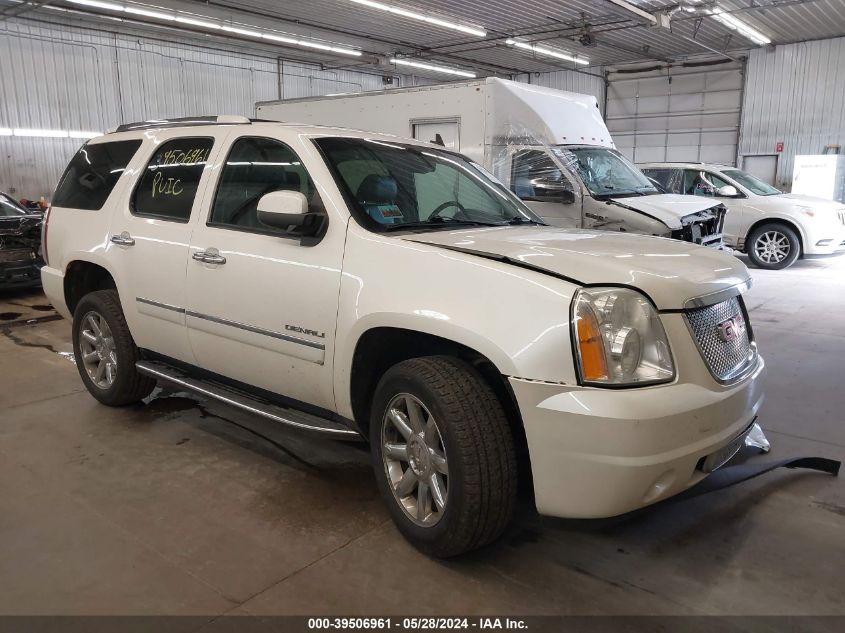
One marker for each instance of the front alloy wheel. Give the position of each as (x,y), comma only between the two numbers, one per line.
(415,459)
(773,246)
(443,454)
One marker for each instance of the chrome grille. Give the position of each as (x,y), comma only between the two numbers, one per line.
(723,338)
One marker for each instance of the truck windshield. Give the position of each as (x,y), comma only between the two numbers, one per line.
(605,172)
(394,186)
(753,183)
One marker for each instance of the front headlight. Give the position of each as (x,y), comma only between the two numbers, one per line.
(619,339)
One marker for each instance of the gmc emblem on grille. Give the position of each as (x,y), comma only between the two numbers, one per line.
(729,330)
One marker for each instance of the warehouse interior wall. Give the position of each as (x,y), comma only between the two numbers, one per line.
(794,96)
(121,77)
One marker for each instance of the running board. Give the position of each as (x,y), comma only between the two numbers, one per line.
(291,418)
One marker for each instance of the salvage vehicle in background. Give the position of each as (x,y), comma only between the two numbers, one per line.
(360,286)
(772,227)
(550,147)
(20,244)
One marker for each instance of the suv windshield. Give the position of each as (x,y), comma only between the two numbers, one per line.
(395,186)
(751,182)
(604,171)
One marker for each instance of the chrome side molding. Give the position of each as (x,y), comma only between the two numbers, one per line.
(291,418)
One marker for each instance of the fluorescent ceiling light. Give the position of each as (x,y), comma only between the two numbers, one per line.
(205,22)
(158,15)
(432,67)
(740,27)
(38,133)
(446,24)
(548,52)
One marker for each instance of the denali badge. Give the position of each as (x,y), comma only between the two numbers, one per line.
(302,330)
(730,329)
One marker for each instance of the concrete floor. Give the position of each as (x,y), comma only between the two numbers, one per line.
(169,508)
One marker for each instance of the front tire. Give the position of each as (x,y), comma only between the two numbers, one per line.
(105,351)
(773,246)
(443,455)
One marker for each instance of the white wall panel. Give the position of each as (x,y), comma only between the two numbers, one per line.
(71,78)
(795,95)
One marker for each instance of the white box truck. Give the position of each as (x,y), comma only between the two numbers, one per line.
(550,147)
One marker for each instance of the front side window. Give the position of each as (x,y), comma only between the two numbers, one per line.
(702,183)
(170,181)
(605,172)
(534,176)
(760,187)
(256,166)
(92,174)
(396,185)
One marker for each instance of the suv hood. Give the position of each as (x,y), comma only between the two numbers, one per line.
(796,201)
(669,208)
(669,271)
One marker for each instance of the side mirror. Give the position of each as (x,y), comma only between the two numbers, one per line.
(728,191)
(288,211)
(550,190)
(282,209)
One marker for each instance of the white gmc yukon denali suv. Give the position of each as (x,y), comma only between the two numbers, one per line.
(362,286)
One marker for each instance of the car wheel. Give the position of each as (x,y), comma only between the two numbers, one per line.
(773,246)
(443,455)
(105,352)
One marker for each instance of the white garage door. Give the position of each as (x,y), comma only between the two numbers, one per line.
(691,114)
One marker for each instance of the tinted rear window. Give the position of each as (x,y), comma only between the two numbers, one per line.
(93,173)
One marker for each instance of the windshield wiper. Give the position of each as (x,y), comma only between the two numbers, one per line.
(437,223)
(518,219)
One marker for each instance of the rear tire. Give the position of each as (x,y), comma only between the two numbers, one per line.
(105,351)
(773,246)
(456,449)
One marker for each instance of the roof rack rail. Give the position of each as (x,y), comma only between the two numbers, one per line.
(225,119)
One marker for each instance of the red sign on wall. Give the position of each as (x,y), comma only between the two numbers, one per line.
(779,146)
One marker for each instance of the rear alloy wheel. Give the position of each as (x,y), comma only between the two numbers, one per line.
(105,351)
(443,455)
(773,246)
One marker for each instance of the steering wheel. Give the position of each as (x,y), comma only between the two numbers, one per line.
(442,207)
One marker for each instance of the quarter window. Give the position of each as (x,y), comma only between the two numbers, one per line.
(93,173)
(170,181)
(257,166)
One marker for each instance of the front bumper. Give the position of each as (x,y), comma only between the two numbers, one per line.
(601,452)
(824,240)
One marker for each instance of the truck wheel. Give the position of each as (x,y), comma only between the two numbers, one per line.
(443,455)
(773,246)
(105,352)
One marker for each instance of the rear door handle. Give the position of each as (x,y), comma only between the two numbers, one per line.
(209,256)
(124,239)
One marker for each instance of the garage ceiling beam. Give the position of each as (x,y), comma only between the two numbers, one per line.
(635,10)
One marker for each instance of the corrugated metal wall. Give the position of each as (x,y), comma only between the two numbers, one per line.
(77,79)
(795,95)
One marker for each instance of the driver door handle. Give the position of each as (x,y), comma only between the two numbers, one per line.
(209,256)
(124,239)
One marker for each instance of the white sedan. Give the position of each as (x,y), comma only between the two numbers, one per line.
(772,227)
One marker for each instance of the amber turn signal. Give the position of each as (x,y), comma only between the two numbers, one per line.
(590,344)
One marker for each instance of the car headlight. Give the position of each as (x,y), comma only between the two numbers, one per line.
(619,339)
